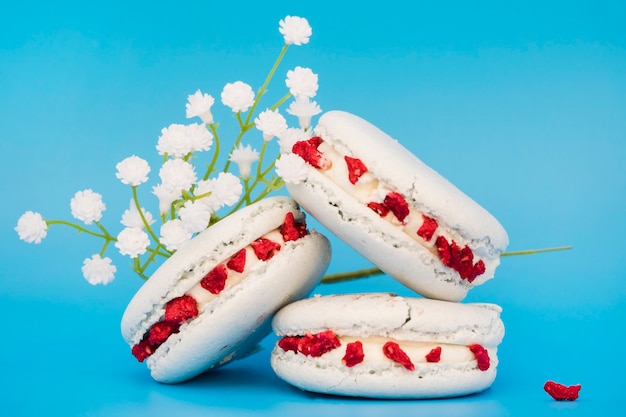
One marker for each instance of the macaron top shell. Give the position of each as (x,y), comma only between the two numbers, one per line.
(396,317)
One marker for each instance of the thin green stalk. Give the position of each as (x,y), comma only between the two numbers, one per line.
(364,273)
(81,229)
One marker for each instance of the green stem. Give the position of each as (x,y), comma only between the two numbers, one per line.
(281,101)
(364,273)
(105,235)
(216,152)
(143,218)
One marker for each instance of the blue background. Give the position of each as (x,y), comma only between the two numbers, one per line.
(521,105)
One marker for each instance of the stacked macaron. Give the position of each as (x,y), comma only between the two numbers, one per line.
(213,300)
(419,229)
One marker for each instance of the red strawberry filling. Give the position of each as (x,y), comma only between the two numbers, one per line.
(482,356)
(238,262)
(291,229)
(393,351)
(434,355)
(354,354)
(184,308)
(314,345)
(215,281)
(459,259)
(264,249)
(561,392)
(427,229)
(356,168)
(307,150)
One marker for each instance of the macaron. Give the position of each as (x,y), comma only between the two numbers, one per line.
(380,345)
(400,214)
(213,300)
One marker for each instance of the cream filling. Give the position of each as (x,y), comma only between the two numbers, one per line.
(203,296)
(369,189)
(373,356)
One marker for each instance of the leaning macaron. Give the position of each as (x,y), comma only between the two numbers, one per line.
(384,346)
(213,300)
(392,208)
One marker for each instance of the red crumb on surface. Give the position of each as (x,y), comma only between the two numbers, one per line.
(356,168)
(427,229)
(215,281)
(314,345)
(481,355)
(354,354)
(181,309)
(160,331)
(393,351)
(397,204)
(561,392)
(379,208)
(292,229)
(307,150)
(434,355)
(142,350)
(238,262)
(459,258)
(264,248)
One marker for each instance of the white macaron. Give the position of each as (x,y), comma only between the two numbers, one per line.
(213,300)
(396,211)
(380,345)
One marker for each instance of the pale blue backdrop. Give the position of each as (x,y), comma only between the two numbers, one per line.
(521,104)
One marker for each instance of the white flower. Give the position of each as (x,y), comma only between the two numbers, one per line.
(131,217)
(199,105)
(195,216)
(271,123)
(225,190)
(238,96)
(177,175)
(87,206)
(166,197)
(290,137)
(133,171)
(303,108)
(244,156)
(31,227)
(173,234)
(179,140)
(97,270)
(302,82)
(295,30)
(132,241)
(292,168)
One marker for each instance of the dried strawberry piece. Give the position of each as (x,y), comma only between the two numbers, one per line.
(292,229)
(481,355)
(354,354)
(393,351)
(443,249)
(397,204)
(264,248)
(160,331)
(181,309)
(561,392)
(142,350)
(434,355)
(215,280)
(477,269)
(356,168)
(379,208)
(238,262)
(316,345)
(307,150)
(466,262)
(288,343)
(427,229)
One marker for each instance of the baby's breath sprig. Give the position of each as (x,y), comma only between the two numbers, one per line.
(188,204)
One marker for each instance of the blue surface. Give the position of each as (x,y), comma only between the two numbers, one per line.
(521,106)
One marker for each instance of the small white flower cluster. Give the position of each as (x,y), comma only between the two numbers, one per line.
(188,203)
